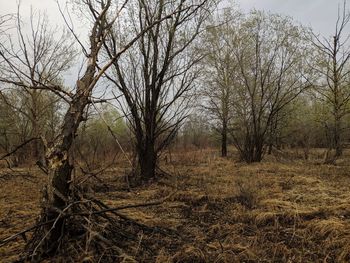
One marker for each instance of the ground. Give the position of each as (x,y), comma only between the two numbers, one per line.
(281,210)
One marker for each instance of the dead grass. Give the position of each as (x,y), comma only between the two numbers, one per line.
(19,204)
(225,211)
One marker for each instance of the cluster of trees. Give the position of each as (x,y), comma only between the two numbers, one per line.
(139,55)
(269,79)
(148,82)
(256,80)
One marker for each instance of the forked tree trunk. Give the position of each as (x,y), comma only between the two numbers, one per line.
(253,150)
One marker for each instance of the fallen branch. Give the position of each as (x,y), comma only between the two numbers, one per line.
(13,173)
(134,222)
(22,233)
(154,203)
(99,212)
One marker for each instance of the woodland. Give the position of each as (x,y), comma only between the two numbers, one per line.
(191,131)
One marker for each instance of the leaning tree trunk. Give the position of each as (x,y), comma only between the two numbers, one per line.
(59,166)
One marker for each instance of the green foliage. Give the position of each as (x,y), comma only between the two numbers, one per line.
(96,140)
(97,124)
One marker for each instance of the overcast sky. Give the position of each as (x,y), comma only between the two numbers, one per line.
(319,14)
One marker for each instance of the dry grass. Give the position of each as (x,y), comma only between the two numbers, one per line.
(19,205)
(275,211)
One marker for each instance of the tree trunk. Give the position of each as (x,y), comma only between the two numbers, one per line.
(59,171)
(253,150)
(273,134)
(37,151)
(258,151)
(58,196)
(337,139)
(147,162)
(58,163)
(224,140)
(269,152)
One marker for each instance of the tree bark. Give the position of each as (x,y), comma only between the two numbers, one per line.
(58,162)
(147,161)
(224,140)
(253,149)
(337,138)
(269,152)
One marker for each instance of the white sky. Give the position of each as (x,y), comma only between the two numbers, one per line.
(319,14)
(10,6)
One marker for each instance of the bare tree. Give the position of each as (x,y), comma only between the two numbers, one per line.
(34,62)
(17,111)
(218,79)
(271,73)
(157,75)
(334,69)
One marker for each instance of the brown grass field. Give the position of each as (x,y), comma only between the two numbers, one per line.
(280,210)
